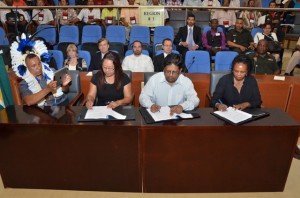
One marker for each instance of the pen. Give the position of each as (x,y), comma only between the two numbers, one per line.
(220,101)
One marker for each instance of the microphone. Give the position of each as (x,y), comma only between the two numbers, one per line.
(186,69)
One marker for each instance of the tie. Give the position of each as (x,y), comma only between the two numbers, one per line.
(190,39)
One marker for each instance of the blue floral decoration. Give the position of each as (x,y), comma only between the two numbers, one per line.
(25,45)
(45,57)
(22,69)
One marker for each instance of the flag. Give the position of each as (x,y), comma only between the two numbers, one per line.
(6,98)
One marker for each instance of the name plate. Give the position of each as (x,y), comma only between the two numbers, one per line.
(152,17)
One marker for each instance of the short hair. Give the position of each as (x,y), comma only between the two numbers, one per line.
(30,56)
(265,25)
(72,47)
(242,58)
(136,41)
(214,19)
(103,39)
(173,59)
(272,2)
(190,15)
(250,1)
(166,39)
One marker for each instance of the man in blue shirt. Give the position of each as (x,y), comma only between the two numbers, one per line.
(170,88)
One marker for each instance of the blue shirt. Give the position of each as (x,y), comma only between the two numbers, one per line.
(159,91)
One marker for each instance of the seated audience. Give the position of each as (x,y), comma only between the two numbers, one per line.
(188,37)
(42,16)
(88,16)
(192,3)
(234,3)
(174,3)
(264,63)
(214,40)
(73,62)
(250,17)
(240,39)
(269,36)
(129,17)
(238,89)
(65,16)
(170,88)
(109,16)
(46,90)
(110,86)
(137,62)
(226,18)
(159,3)
(257,3)
(211,3)
(294,60)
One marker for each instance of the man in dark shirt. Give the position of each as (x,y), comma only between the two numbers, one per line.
(158,61)
(240,39)
(264,63)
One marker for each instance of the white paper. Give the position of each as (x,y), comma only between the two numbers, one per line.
(102,112)
(164,114)
(261,20)
(89,74)
(233,115)
(279,78)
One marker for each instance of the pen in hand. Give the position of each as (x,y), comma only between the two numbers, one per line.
(221,106)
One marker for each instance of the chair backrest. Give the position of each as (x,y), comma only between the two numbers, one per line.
(208,28)
(86,56)
(91,34)
(163,32)
(140,33)
(214,79)
(297,19)
(119,47)
(74,86)
(90,47)
(177,19)
(130,52)
(72,2)
(128,73)
(3,37)
(255,30)
(116,33)
(197,61)
(162,51)
(47,32)
(58,56)
(147,76)
(69,33)
(223,60)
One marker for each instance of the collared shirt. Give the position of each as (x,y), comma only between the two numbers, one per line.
(44,16)
(243,38)
(205,41)
(64,20)
(222,16)
(264,64)
(159,91)
(192,3)
(141,63)
(86,13)
(109,13)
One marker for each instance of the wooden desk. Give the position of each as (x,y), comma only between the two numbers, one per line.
(200,155)
(293,108)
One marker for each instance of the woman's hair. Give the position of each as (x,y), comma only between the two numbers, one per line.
(242,58)
(72,47)
(266,24)
(117,68)
(173,59)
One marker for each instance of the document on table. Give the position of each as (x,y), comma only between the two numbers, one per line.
(235,116)
(102,112)
(164,114)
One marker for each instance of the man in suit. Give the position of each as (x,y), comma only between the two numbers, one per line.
(158,60)
(103,46)
(188,37)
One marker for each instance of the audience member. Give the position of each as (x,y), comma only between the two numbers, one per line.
(65,16)
(45,89)
(170,88)
(240,39)
(110,86)
(257,3)
(174,3)
(109,16)
(294,60)
(192,3)
(130,17)
(264,63)
(158,60)
(268,36)
(188,37)
(250,17)
(234,3)
(226,18)
(159,3)
(88,16)
(96,61)
(73,62)
(42,16)
(238,89)
(137,62)
(214,40)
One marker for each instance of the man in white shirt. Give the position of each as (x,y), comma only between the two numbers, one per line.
(192,3)
(89,16)
(170,88)
(42,16)
(137,62)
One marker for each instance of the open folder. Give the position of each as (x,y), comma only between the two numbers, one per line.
(164,114)
(103,113)
(237,117)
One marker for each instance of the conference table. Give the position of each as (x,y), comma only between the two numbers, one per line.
(47,148)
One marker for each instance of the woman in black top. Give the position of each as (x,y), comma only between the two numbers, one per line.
(110,85)
(238,89)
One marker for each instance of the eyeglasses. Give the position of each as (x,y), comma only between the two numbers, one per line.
(168,72)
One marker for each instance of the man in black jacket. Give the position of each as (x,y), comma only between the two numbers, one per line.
(188,37)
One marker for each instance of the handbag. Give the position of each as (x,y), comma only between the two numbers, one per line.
(274,46)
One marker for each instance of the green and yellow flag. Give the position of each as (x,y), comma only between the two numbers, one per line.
(6,98)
